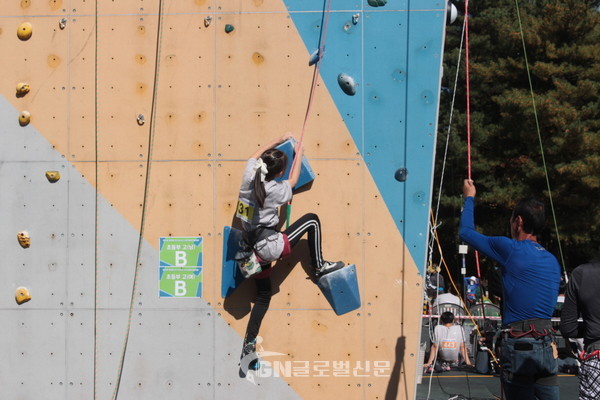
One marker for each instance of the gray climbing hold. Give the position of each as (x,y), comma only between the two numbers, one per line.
(355,18)
(314,57)
(347,84)
(229,28)
(377,3)
(141,119)
(401,174)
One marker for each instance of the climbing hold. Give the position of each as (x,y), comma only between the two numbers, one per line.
(207,21)
(24,118)
(22,295)
(25,30)
(229,28)
(347,84)
(258,58)
(377,3)
(355,18)
(314,57)
(340,288)
(24,239)
(62,23)
(141,119)
(22,89)
(451,13)
(52,176)
(401,174)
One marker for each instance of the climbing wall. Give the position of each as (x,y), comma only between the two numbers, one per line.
(138,121)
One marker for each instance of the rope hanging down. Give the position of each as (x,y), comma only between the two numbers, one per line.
(313,87)
(151,130)
(468,95)
(97,200)
(537,125)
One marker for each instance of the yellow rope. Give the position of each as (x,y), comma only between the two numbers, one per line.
(443,260)
(144,204)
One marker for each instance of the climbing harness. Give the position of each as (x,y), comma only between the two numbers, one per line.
(316,60)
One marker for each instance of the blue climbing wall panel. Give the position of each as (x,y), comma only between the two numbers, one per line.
(393,115)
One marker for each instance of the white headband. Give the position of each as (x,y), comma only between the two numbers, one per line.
(260,164)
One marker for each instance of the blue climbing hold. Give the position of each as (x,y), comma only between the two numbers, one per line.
(306,173)
(340,288)
(314,57)
(231,276)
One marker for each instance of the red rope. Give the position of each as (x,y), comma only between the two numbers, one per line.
(315,78)
(311,96)
(467,78)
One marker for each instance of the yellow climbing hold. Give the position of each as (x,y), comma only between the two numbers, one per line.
(22,295)
(24,239)
(53,176)
(22,89)
(24,118)
(25,30)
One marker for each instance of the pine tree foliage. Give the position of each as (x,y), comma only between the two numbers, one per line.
(562,42)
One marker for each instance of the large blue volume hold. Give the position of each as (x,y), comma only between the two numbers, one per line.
(306,173)
(341,289)
(231,276)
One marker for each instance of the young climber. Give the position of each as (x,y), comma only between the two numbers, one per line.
(447,345)
(260,197)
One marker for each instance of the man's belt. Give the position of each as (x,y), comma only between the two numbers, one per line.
(530,328)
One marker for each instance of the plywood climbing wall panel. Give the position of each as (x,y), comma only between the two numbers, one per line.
(149,109)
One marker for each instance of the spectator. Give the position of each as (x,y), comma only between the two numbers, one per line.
(448,343)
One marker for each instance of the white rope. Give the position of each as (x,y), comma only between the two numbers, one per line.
(434,225)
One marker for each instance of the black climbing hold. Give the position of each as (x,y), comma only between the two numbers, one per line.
(401,174)
(377,3)
(347,84)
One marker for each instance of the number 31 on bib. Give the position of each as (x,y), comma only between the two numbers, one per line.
(245,210)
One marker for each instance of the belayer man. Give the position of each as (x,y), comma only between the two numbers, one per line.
(530,279)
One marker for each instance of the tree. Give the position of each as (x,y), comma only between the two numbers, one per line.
(562,42)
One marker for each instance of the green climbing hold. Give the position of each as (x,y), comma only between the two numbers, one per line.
(229,28)
(377,3)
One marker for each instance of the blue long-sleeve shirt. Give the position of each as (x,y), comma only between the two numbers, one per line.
(530,273)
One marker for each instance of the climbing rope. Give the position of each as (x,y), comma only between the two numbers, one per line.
(97,199)
(144,203)
(435,224)
(537,125)
(443,262)
(434,216)
(313,87)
